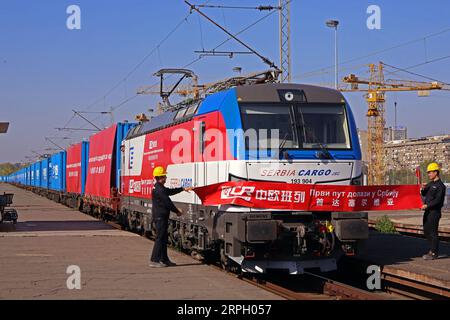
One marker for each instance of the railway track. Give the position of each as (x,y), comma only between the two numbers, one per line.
(310,286)
(395,282)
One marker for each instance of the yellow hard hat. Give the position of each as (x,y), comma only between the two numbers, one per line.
(433,167)
(159,172)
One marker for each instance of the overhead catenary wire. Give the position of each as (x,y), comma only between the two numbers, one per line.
(220,45)
(144,59)
(196,59)
(264,59)
(376,52)
(156,49)
(134,69)
(139,64)
(406,70)
(260,8)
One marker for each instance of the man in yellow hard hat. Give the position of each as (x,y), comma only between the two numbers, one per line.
(434,196)
(162,205)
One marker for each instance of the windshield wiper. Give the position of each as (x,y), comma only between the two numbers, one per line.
(325,154)
(281,146)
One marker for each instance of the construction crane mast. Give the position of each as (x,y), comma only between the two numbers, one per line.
(376,90)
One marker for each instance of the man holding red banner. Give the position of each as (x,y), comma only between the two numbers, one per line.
(434,193)
(161,208)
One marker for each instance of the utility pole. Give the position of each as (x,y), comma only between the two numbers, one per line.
(334,24)
(285,40)
(284,8)
(395,116)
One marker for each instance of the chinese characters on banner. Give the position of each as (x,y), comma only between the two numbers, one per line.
(284,196)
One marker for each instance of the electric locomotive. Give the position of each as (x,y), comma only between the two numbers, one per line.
(229,135)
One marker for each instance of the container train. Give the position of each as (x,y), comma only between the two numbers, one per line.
(110,176)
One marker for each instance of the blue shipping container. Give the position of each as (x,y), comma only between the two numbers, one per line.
(44,174)
(37,174)
(57,175)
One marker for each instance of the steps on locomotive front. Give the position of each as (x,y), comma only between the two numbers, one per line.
(49,237)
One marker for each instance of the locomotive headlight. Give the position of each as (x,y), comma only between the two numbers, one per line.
(357,181)
(289,96)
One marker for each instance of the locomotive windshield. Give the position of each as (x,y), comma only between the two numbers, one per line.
(300,126)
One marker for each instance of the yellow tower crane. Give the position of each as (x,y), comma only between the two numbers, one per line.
(376,87)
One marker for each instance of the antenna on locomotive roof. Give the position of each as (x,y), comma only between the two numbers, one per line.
(264,59)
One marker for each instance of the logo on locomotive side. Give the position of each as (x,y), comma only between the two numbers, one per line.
(186,182)
(135,186)
(152,144)
(237,193)
(315,172)
(302,173)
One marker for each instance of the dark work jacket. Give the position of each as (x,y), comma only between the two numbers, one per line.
(434,194)
(161,203)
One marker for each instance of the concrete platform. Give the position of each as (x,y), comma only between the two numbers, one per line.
(411,221)
(49,237)
(401,256)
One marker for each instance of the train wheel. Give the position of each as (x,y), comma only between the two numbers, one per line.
(141,225)
(172,240)
(224,260)
(131,222)
(79,204)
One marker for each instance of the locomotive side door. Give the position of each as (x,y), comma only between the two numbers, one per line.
(210,149)
(199,148)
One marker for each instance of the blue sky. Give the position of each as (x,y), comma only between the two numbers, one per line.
(47,70)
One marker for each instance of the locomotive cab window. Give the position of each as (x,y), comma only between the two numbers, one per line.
(324,125)
(299,126)
(180,114)
(191,110)
(271,125)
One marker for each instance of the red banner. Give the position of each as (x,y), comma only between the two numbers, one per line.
(284,196)
(101,147)
(73,169)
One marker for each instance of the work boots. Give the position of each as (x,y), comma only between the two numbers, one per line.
(430,256)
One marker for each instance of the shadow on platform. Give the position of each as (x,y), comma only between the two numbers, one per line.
(34,226)
(388,249)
